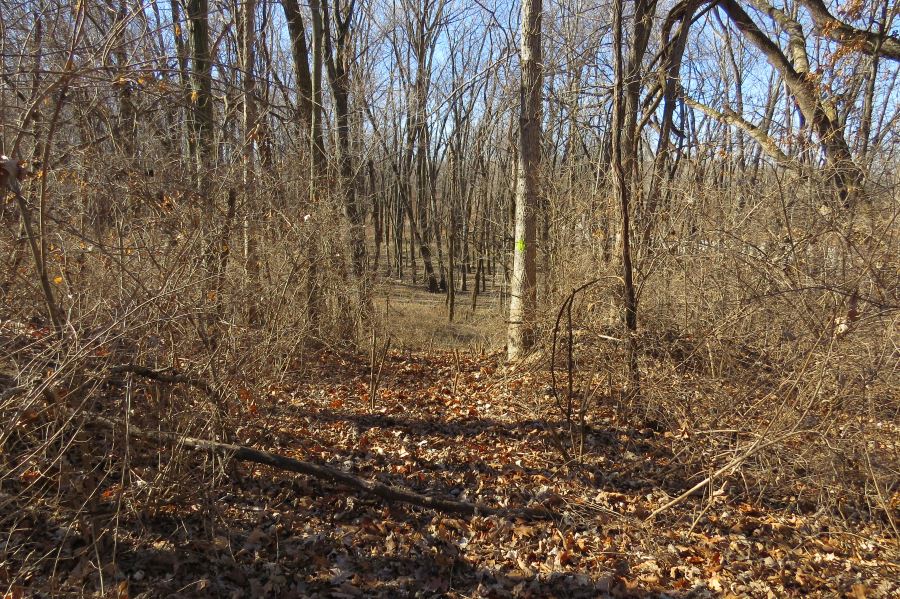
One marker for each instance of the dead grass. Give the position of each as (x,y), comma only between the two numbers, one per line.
(418,320)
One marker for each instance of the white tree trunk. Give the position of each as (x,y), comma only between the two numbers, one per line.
(523,292)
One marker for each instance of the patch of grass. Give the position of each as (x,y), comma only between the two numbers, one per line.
(418,319)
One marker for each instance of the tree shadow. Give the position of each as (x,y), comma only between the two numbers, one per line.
(265,535)
(368,562)
(643,474)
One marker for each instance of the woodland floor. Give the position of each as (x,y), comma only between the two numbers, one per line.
(453,431)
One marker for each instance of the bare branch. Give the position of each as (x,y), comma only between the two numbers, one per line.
(866,41)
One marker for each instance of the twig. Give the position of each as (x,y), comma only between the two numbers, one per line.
(881,499)
(213,392)
(566,308)
(375,374)
(11,391)
(456,377)
(755,448)
(372,370)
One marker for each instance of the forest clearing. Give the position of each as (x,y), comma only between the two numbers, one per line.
(449,298)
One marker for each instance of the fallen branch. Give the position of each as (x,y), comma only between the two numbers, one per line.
(165,377)
(324,472)
(732,465)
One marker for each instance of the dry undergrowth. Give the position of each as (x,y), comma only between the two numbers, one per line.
(419,320)
(762,371)
(163,520)
(90,512)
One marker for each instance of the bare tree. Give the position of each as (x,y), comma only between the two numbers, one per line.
(250,125)
(337,54)
(309,112)
(523,289)
(625,132)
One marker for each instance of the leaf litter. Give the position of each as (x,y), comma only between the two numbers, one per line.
(189,525)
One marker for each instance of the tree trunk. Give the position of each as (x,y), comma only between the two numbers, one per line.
(624,152)
(310,111)
(336,56)
(248,60)
(183,74)
(631,85)
(671,72)
(819,114)
(215,247)
(523,292)
(201,91)
(865,125)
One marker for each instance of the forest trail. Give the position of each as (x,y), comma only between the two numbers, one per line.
(220,375)
(419,321)
(452,425)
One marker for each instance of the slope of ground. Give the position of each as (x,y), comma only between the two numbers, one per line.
(443,424)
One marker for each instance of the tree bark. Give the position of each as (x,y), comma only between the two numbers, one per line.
(624,156)
(682,14)
(201,89)
(337,62)
(248,60)
(300,58)
(523,291)
(876,44)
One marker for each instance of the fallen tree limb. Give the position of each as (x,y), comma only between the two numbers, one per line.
(213,393)
(166,377)
(325,472)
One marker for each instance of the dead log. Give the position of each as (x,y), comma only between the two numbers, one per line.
(320,471)
(325,472)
